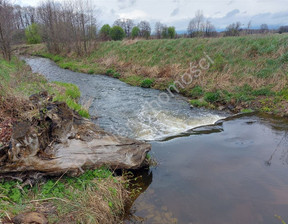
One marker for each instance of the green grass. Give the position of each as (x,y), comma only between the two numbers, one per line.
(196,92)
(225,52)
(59,192)
(237,61)
(71,97)
(16,78)
(133,80)
(147,83)
(199,103)
(246,111)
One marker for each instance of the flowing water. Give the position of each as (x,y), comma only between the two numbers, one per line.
(235,171)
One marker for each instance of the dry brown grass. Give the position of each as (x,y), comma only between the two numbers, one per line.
(127,42)
(101,205)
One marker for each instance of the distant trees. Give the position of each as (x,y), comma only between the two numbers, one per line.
(135,32)
(283,29)
(248,31)
(162,31)
(233,29)
(7,28)
(126,24)
(198,27)
(145,29)
(209,29)
(264,28)
(105,32)
(158,29)
(72,26)
(171,32)
(117,33)
(32,34)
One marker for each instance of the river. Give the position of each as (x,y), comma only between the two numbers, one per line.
(232,171)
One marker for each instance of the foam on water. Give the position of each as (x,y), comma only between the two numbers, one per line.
(159,124)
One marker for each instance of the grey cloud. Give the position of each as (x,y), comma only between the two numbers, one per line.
(232,13)
(175,12)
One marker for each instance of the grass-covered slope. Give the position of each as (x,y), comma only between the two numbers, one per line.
(94,197)
(18,82)
(244,72)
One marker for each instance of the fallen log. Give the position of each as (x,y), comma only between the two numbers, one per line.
(56,140)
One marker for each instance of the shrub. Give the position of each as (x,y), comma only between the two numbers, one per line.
(135,32)
(247,111)
(105,32)
(199,103)
(91,71)
(146,83)
(116,75)
(196,92)
(212,97)
(117,33)
(110,72)
(266,91)
(32,34)
(171,32)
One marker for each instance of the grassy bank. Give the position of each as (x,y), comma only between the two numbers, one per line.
(95,197)
(17,81)
(244,73)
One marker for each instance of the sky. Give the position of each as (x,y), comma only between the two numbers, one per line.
(178,13)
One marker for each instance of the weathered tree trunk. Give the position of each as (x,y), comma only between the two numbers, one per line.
(55,140)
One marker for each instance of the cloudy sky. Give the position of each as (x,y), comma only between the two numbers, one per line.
(178,12)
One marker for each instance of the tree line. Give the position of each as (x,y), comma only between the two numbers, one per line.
(126,28)
(73,26)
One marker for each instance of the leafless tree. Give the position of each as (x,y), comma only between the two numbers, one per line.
(283,29)
(264,28)
(145,29)
(126,24)
(196,25)
(25,16)
(7,28)
(210,30)
(71,25)
(158,29)
(233,29)
(249,27)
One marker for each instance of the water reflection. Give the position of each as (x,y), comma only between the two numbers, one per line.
(284,155)
(217,175)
